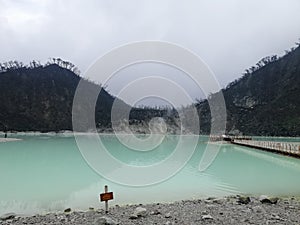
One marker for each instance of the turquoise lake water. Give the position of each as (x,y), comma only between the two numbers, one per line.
(43,173)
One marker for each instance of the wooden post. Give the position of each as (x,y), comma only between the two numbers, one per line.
(105,197)
(106,202)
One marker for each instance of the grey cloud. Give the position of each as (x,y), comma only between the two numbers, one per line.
(229,36)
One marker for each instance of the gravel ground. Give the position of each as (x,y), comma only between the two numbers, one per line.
(229,210)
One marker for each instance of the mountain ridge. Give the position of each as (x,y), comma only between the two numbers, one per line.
(264,101)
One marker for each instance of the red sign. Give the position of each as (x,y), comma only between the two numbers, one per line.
(106,196)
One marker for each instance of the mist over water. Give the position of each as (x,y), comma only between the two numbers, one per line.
(45,173)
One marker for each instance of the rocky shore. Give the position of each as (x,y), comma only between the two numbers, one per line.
(229,210)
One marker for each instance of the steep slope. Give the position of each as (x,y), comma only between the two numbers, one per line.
(265,101)
(41,98)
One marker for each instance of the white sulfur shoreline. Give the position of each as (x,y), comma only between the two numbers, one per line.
(9,139)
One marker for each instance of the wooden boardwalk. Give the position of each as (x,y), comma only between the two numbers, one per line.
(286,148)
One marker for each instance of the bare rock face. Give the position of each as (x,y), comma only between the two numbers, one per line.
(245,102)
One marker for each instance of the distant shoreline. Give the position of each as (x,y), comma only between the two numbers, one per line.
(110,132)
(9,139)
(71,133)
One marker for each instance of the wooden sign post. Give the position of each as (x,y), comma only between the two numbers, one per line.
(106,196)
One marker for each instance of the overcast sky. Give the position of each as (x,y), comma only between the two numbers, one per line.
(229,35)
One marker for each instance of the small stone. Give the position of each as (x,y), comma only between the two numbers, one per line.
(168,215)
(155,212)
(209,206)
(204,212)
(210,200)
(91,208)
(133,217)
(140,211)
(67,210)
(207,217)
(104,220)
(8,216)
(258,209)
(265,199)
(218,201)
(168,223)
(244,200)
(276,217)
(273,200)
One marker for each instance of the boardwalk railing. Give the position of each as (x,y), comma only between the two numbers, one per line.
(289,148)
